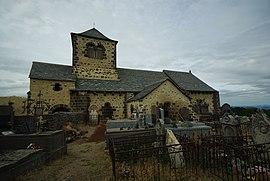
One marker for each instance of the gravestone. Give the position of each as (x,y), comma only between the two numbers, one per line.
(154,113)
(184,113)
(175,152)
(229,125)
(160,127)
(141,117)
(6,116)
(161,111)
(260,127)
(93,117)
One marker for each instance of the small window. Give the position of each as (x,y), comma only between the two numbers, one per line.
(100,52)
(57,87)
(93,51)
(90,50)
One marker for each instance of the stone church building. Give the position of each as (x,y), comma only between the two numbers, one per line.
(94,82)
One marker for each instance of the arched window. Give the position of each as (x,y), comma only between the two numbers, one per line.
(90,50)
(100,52)
(93,51)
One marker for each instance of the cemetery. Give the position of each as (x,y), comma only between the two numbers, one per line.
(149,147)
(158,126)
(238,150)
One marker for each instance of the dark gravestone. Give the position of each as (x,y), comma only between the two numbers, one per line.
(6,117)
(184,113)
(154,113)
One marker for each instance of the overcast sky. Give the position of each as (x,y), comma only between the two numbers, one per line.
(226,43)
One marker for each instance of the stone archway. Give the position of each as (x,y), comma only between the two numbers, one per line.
(60,108)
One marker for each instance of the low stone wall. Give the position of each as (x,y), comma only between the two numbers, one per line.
(25,124)
(56,121)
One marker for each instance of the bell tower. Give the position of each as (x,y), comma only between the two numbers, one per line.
(94,56)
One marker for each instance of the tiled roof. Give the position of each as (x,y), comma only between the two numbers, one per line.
(147,90)
(47,71)
(131,80)
(188,81)
(94,33)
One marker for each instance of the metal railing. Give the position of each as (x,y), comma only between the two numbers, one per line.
(147,157)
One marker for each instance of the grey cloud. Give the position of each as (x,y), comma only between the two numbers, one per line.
(224,43)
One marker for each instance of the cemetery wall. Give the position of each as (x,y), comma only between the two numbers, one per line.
(56,121)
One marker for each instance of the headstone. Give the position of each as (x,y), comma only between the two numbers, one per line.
(6,116)
(160,128)
(141,118)
(93,117)
(261,127)
(226,108)
(148,119)
(229,125)
(184,113)
(161,111)
(154,113)
(175,152)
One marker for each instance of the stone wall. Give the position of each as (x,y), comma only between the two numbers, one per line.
(56,121)
(207,97)
(91,68)
(116,100)
(25,124)
(49,95)
(165,93)
(17,105)
(80,101)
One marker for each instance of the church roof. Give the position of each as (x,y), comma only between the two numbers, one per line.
(94,33)
(188,81)
(147,90)
(47,71)
(131,80)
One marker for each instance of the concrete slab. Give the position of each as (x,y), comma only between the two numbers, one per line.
(16,162)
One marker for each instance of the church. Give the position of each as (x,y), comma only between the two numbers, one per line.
(94,83)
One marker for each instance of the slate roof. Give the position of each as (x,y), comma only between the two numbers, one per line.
(131,80)
(147,90)
(188,81)
(47,71)
(94,33)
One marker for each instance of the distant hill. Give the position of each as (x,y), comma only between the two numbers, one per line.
(249,110)
(266,107)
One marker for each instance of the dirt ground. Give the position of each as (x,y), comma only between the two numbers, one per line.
(86,160)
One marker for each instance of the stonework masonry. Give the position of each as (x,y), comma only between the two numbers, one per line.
(93,83)
(91,68)
(49,95)
(207,97)
(116,100)
(82,100)
(165,93)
